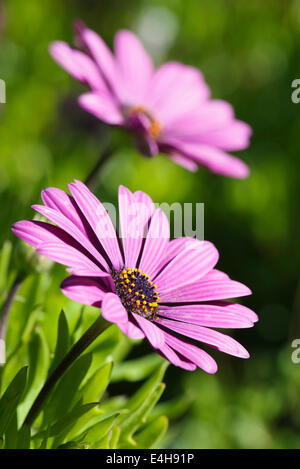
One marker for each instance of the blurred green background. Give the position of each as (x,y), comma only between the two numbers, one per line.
(249,53)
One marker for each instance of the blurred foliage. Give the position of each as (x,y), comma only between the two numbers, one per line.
(249,53)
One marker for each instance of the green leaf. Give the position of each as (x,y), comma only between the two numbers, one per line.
(151,433)
(11,398)
(62,341)
(38,352)
(134,420)
(97,432)
(114,436)
(92,392)
(65,422)
(136,370)
(143,392)
(64,394)
(5,257)
(24,438)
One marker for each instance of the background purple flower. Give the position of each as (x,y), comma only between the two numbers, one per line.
(166,291)
(168,110)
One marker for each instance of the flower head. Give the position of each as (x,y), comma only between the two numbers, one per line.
(168,110)
(166,291)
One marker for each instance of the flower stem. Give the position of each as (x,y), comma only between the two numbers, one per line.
(88,337)
(5,315)
(91,179)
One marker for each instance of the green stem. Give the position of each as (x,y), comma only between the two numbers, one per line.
(91,179)
(88,337)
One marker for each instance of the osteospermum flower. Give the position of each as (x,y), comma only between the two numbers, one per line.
(168,110)
(165,291)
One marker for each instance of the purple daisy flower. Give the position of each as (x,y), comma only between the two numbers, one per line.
(168,110)
(166,291)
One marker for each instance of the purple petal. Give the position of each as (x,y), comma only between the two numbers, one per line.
(135,67)
(131,330)
(172,357)
(99,220)
(175,247)
(210,315)
(234,136)
(206,290)
(100,53)
(156,242)
(89,291)
(202,359)
(214,159)
(221,341)
(64,254)
(175,90)
(67,225)
(113,310)
(134,210)
(101,105)
(183,161)
(187,267)
(153,333)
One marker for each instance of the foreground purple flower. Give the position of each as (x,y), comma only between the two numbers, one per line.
(168,110)
(166,291)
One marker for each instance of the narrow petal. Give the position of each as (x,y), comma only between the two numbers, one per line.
(234,136)
(113,310)
(187,267)
(77,262)
(131,330)
(101,105)
(100,53)
(173,357)
(196,355)
(175,247)
(135,67)
(206,290)
(99,220)
(183,161)
(209,315)
(89,291)
(214,159)
(221,341)
(67,225)
(135,211)
(155,244)
(153,333)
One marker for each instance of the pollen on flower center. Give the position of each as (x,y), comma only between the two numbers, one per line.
(137,292)
(155,127)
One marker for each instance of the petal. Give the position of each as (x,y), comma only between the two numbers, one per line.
(89,291)
(103,106)
(172,357)
(202,359)
(77,262)
(221,341)
(183,161)
(135,67)
(206,290)
(214,159)
(208,116)
(175,247)
(99,221)
(131,330)
(234,136)
(69,227)
(209,315)
(135,211)
(155,244)
(100,53)
(113,310)
(153,333)
(187,267)
(176,89)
